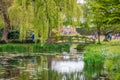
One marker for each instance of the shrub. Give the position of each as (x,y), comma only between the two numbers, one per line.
(113,65)
(80,47)
(16,41)
(13,34)
(95,55)
(37,48)
(94,58)
(2,42)
(34,48)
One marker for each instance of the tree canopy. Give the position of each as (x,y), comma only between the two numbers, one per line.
(102,15)
(42,15)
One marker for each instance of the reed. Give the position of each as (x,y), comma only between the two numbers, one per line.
(33,48)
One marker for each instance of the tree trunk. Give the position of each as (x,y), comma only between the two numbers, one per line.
(49,31)
(106,38)
(98,31)
(49,34)
(6,27)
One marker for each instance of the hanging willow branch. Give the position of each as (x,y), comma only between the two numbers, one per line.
(43,14)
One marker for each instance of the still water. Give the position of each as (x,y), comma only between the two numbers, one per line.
(47,67)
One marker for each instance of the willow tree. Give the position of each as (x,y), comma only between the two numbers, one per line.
(4,5)
(43,15)
(21,14)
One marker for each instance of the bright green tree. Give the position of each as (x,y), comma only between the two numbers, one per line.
(103,15)
(43,15)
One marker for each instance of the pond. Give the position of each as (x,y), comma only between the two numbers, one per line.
(47,67)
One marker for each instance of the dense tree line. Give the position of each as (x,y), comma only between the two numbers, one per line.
(39,16)
(102,15)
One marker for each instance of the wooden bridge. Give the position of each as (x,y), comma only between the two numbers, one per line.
(71,40)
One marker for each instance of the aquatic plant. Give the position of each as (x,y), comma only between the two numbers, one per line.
(106,55)
(81,47)
(34,48)
(95,56)
(113,65)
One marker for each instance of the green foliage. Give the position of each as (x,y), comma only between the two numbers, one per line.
(34,48)
(80,47)
(90,70)
(105,55)
(94,56)
(103,14)
(0,33)
(1,23)
(43,15)
(14,48)
(52,48)
(113,63)
(13,34)
(38,48)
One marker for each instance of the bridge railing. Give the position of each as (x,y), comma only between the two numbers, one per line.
(71,39)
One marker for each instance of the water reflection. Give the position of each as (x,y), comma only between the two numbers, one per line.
(67,66)
(70,66)
(46,68)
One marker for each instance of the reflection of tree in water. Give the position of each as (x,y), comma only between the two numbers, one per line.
(73,76)
(10,69)
(12,65)
(68,69)
(54,75)
(92,73)
(49,61)
(40,69)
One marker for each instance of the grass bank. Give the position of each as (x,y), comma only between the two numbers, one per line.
(106,55)
(33,48)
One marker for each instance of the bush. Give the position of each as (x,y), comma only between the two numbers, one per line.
(95,55)
(28,41)
(80,47)
(14,34)
(37,48)
(94,59)
(34,48)
(22,49)
(2,42)
(14,48)
(17,41)
(113,65)
(51,48)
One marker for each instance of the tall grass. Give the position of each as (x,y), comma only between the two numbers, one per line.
(112,62)
(106,55)
(95,55)
(34,48)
